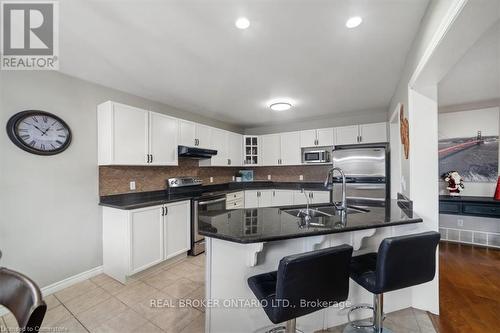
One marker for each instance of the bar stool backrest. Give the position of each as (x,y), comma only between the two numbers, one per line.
(22,297)
(406,261)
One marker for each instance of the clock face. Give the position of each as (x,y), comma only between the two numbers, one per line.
(39,132)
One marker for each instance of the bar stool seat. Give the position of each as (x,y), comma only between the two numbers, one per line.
(401,262)
(304,283)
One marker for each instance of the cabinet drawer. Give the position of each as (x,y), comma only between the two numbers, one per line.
(235,196)
(234,204)
(484,210)
(449,207)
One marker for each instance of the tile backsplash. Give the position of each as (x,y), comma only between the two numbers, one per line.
(116,179)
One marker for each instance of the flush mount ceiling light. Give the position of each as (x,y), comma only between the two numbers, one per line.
(280,105)
(353,22)
(242,23)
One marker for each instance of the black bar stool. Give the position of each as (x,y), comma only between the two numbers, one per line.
(401,262)
(22,297)
(304,283)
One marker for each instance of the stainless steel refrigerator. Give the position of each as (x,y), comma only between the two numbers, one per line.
(366,167)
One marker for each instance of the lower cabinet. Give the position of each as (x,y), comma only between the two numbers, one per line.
(277,198)
(134,240)
(258,198)
(282,198)
(314,197)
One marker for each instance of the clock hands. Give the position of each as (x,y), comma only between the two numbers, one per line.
(38,129)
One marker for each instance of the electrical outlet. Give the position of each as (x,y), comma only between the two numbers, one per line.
(132,185)
(268,177)
(211,179)
(301,177)
(460,222)
(234,178)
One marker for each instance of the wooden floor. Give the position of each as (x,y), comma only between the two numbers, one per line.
(469,283)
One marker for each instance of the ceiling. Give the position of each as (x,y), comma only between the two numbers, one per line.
(188,53)
(476,77)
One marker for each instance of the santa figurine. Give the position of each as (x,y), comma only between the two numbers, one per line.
(455,182)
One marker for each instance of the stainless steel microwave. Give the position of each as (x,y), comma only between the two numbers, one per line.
(316,156)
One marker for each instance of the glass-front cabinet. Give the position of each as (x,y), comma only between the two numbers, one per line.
(251,150)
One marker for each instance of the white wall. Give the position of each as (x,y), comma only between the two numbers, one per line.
(463,123)
(50,223)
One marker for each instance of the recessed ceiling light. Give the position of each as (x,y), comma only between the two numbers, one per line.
(242,23)
(280,106)
(353,22)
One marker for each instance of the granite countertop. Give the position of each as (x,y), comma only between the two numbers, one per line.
(146,199)
(271,224)
(486,200)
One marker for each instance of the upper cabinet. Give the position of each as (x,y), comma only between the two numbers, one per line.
(317,137)
(366,133)
(370,133)
(194,135)
(133,136)
(281,149)
(235,149)
(228,146)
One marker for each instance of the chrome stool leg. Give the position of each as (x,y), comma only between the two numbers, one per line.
(290,327)
(378,318)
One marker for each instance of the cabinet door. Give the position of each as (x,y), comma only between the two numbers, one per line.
(187,133)
(163,139)
(251,199)
(266,198)
(130,139)
(146,238)
(308,138)
(203,135)
(177,228)
(299,198)
(282,198)
(219,141)
(320,197)
(325,137)
(235,149)
(371,133)
(270,149)
(346,135)
(290,148)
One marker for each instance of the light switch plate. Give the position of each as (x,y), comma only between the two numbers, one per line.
(301,177)
(268,177)
(132,185)
(211,179)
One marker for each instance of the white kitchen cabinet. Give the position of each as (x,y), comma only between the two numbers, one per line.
(317,137)
(373,133)
(314,197)
(122,134)
(325,137)
(258,198)
(320,197)
(134,240)
(133,136)
(308,138)
(162,144)
(218,141)
(365,133)
(187,133)
(346,135)
(146,238)
(271,149)
(282,198)
(290,148)
(177,228)
(203,134)
(235,149)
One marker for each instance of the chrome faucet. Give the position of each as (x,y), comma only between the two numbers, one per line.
(329,181)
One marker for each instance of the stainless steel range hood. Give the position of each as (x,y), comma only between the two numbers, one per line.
(197,153)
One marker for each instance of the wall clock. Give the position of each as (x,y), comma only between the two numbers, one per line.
(39,132)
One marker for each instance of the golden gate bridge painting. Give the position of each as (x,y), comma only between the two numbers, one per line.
(475,158)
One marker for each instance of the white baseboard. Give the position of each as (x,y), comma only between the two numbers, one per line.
(55,287)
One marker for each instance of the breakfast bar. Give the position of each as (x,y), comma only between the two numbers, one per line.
(245,242)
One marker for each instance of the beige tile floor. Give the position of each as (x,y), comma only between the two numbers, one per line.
(104,305)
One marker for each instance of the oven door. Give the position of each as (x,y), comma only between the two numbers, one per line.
(204,207)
